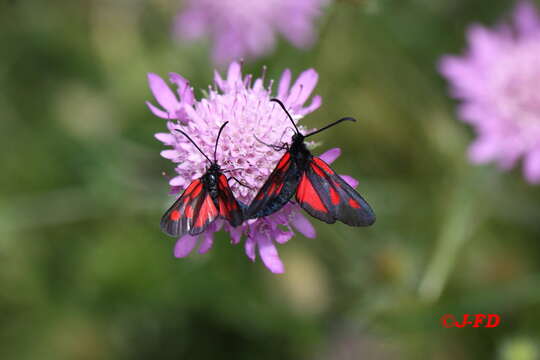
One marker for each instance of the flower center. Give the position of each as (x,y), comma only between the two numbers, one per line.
(517,80)
(242,150)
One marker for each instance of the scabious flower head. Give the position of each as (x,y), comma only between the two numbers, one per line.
(498,80)
(240,28)
(253,120)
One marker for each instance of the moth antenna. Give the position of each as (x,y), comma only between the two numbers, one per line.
(193,142)
(330,125)
(286,112)
(217,140)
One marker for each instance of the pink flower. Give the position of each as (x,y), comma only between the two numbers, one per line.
(241,29)
(246,105)
(498,81)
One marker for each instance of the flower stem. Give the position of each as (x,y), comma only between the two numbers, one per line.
(454,234)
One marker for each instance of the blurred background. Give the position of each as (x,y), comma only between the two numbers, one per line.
(86,273)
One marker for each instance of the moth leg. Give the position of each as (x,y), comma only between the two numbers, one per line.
(239,182)
(231,170)
(274,147)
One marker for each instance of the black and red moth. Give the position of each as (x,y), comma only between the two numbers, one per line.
(318,189)
(203,201)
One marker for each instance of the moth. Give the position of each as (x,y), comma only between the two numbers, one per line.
(316,186)
(203,201)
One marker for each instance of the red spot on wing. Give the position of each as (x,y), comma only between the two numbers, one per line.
(207,212)
(223,181)
(275,188)
(175,215)
(353,203)
(317,170)
(272,189)
(224,208)
(224,202)
(334,196)
(192,186)
(226,205)
(192,190)
(323,165)
(306,194)
(196,190)
(284,161)
(188,211)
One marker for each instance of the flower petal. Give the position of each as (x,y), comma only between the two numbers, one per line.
(302,88)
(531,167)
(526,18)
(192,114)
(191,24)
(227,48)
(281,236)
(330,155)
(169,154)
(158,112)
(179,80)
(302,224)
(165,138)
(284,83)
(184,90)
(184,246)
(483,149)
(249,246)
(177,181)
(206,244)
(234,75)
(163,94)
(315,104)
(269,254)
(298,31)
(218,80)
(349,180)
(236,234)
(174,190)
(258,85)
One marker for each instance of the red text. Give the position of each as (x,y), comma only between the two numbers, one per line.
(476,320)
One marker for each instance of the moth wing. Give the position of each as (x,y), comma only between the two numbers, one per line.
(191,213)
(327,197)
(229,208)
(277,190)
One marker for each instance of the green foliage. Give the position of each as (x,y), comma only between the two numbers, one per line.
(85,272)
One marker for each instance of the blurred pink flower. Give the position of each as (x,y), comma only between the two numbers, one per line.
(498,80)
(250,113)
(248,28)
